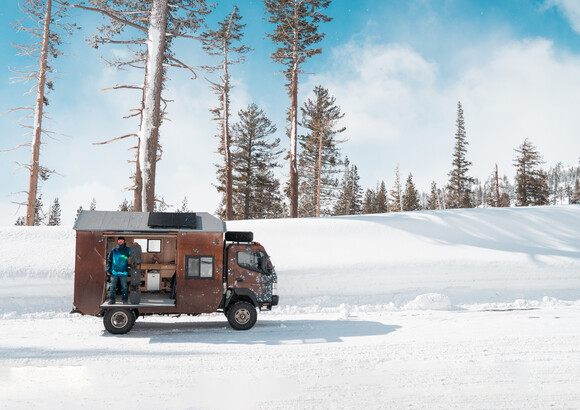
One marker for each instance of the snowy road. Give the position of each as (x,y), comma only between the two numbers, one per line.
(331,360)
(403,327)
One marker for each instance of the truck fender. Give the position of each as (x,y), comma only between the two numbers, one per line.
(241,294)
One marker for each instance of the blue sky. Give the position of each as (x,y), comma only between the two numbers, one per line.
(397,69)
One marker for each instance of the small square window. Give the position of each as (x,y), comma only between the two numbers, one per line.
(149,245)
(199,267)
(154,245)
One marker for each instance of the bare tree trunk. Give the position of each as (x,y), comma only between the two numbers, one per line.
(294,146)
(229,211)
(294,122)
(138,192)
(38,112)
(319,176)
(151,118)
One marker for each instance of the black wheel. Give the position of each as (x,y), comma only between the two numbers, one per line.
(242,316)
(119,321)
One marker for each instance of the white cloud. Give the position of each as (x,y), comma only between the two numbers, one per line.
(570,8)
(400,108)
(377,87)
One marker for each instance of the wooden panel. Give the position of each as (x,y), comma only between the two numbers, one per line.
(90,264)
(199,295)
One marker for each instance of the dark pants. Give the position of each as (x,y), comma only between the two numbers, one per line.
(113,289)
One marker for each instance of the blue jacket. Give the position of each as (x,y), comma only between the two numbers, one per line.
(118,260)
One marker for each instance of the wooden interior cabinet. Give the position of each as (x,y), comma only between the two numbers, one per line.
(162,281)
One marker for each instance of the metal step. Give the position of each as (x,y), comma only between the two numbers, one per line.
(147,301)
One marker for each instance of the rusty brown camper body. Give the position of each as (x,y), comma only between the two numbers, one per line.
(180,264)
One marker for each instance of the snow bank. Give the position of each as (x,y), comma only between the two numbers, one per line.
(491,258)
(46,252)
(430,301)
(471,256)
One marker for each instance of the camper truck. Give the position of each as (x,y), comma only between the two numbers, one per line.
(180,263)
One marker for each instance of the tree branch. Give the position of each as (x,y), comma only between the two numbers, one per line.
(106,13)
(115,139)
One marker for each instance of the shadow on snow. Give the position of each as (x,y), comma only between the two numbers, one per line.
(266,332)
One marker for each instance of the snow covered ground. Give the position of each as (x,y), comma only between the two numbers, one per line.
(456,309)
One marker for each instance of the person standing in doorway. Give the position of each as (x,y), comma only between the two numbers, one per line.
(117,267)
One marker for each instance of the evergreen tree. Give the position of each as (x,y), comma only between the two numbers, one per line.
(54,214)
(256,190)
(381,200)
(39,215)
(350,196)
(576,195)
(93,205)
(369,202)
(531,181)
(184,207)
(295,32)
(124,207)
(433,201)
(319,156)
(410,196)
(21,221)
(396,193)
(79,210)
(221,43)
(459,191)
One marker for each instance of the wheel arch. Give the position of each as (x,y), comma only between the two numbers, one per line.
(241,295)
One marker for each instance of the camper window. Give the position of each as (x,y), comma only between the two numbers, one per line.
(150,245)
(199,267)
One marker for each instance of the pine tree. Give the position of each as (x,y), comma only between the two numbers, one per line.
(79,210)
(256,190)
(93,205)
(221,43)
(319,156)
(433,201)
(410,196)
(381,200)
(459,181)
(396,193)
(369,202)
(576,195)
(184,207)
(39,215)
(295,32)
(54,214)
(531,181)
(21,221)
(350,196)
(124,207)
